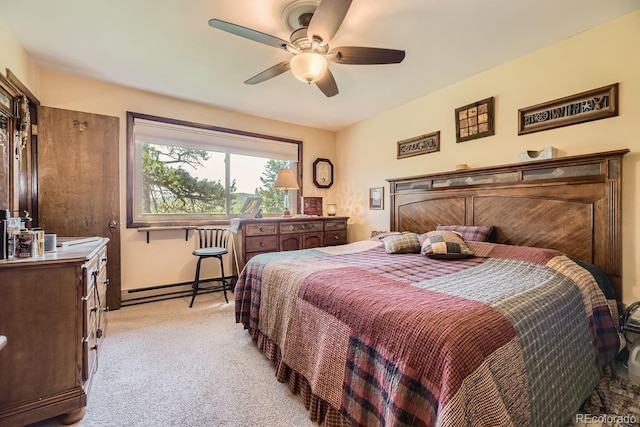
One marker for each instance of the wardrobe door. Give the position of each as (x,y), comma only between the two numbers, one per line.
(78,181)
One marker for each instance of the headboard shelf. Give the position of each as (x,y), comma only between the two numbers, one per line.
(571,204)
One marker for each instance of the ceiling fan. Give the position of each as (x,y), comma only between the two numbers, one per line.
(309,44)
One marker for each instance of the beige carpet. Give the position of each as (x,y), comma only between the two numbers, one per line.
(164,364)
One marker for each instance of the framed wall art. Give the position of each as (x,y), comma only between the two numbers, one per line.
(376,198)
(583,107)
(422,144)
(475,120)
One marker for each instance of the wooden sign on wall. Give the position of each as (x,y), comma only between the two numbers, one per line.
(422,144)
(583,107)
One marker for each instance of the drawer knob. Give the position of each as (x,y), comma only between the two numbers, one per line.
(336,237)
(262,244)
(261,229)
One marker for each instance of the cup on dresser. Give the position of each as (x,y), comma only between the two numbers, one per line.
(50,242)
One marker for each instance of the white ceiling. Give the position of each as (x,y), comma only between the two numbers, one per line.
(166,47)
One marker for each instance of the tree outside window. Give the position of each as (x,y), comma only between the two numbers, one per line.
(182,173)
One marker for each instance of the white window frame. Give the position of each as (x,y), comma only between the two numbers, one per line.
(200,136)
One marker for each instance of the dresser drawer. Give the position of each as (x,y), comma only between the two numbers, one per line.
(91,309)
(89,353)
(301,227)
(260,229)
(332,238)
(340,224)
(102,260)
(261,244)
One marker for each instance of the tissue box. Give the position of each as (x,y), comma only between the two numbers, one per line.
(544,154)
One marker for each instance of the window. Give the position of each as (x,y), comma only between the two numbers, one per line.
(183,173)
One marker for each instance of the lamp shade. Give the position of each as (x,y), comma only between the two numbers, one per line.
(286,180)
(308,66)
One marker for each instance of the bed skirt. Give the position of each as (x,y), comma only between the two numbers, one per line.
(319,410)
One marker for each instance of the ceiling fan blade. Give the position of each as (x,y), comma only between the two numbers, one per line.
(248,33)
(365,55)
(327,84)
(269,73)
(326,20)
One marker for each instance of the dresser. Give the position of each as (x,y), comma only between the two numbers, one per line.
(53,313)
(262,235)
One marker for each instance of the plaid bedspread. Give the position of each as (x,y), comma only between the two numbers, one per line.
(515,336)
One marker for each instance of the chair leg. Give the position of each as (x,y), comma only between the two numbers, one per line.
(196,282)
(224,280)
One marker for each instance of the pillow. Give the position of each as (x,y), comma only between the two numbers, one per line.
(402,243)
(470,233)
(444,244)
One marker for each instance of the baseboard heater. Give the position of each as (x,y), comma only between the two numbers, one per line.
(169,291)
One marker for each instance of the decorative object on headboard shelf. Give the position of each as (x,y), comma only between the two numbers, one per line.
(544,154)
(422,144)
(583,107)
(475,120)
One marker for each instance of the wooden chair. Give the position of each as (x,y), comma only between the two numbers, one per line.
(213,244)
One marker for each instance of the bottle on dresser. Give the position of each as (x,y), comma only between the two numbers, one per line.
(13,227)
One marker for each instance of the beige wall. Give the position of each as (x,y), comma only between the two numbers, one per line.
(366,152)
(14,57)
(167,258)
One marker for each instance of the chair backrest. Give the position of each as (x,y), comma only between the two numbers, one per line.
(213,237)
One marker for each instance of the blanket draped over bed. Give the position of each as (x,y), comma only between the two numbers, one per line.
(514,336)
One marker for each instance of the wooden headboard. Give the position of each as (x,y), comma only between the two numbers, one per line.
(571,204)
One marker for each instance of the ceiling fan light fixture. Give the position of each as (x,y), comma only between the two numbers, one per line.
(308,67)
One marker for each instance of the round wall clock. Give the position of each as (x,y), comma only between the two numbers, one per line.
(323,173)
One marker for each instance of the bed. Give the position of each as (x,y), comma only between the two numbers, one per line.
(522,331)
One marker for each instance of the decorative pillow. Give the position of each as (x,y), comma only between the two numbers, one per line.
(470,233)
(379,234)
(444,244)
(402,243)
